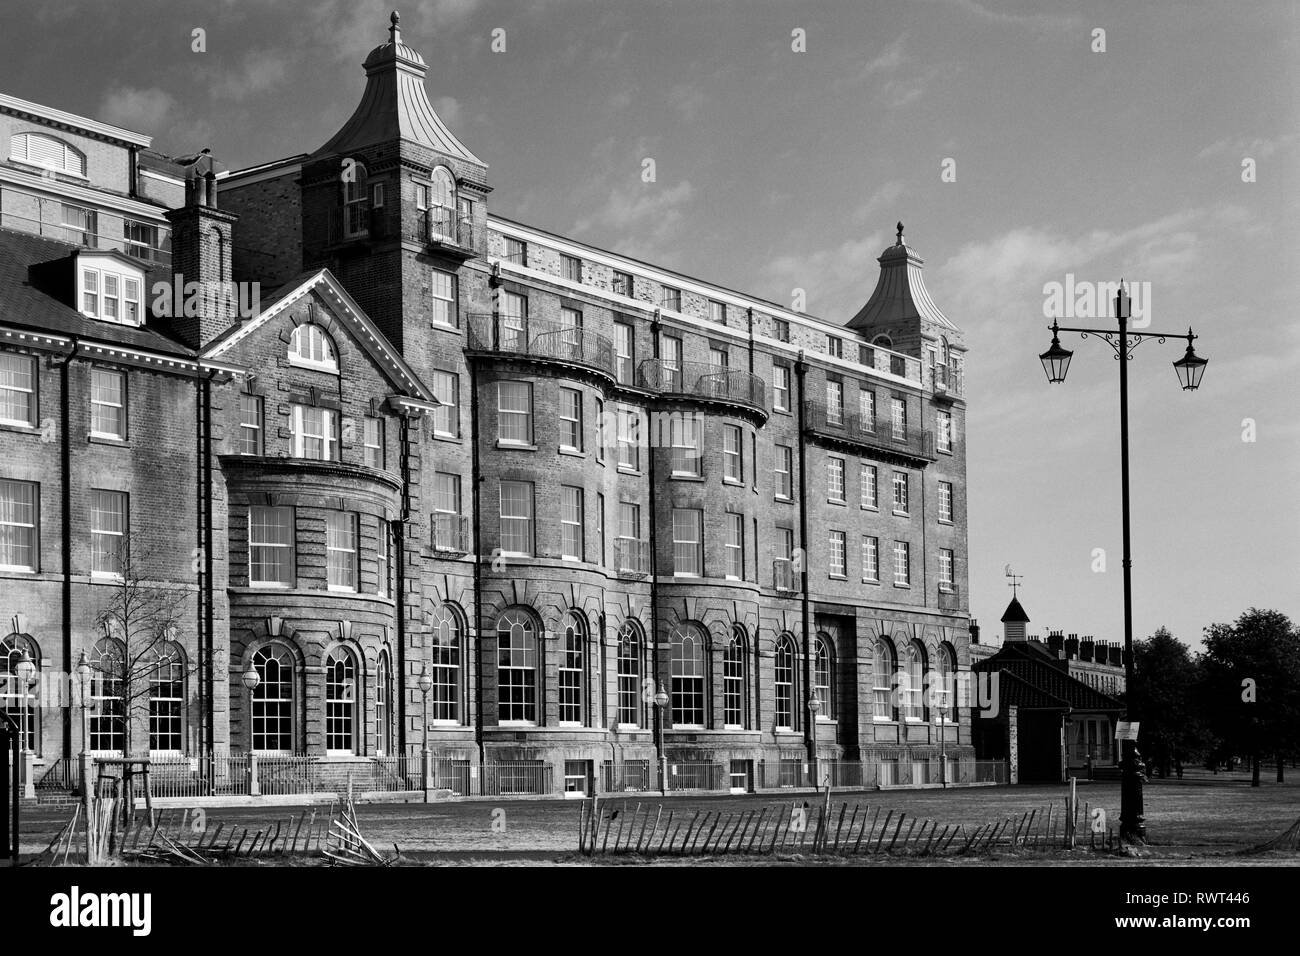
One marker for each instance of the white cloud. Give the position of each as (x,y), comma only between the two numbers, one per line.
(882,198)
(1256,147)
(837,280)
(448,109)
(687,99)
(259,71)
(643,218)
(141,110)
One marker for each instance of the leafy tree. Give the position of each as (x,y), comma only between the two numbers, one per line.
(1172,729)
(1251,685)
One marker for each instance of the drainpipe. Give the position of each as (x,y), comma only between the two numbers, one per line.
(810,727)
(207,676)
(476,479)
(399,579)
(65,466)
(651,543)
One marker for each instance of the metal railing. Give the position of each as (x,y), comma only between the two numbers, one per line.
(785,772)
(62,776)
(451,533)
(517,777)
(842,773)
(949,596)
(947,379)
(849,426)
(783,575)
(443,226)
(90,235)
(355,221)
(629,776)
(450,773)
(697,775)
(539,339)
(396,774)
(287,773)
(632,557)
(700,380)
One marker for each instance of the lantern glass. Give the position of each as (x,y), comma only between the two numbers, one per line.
(1056,361)
(1190,368)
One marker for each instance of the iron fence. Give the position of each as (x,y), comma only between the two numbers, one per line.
(699,380)
(451,533)
(849,425)
(696,775)
(632,556)
(516,778)
(539,339)
(629,776)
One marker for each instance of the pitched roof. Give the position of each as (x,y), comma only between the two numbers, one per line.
(395,105)
(1015,613)
(37,307)
(900,292)
(1031,676)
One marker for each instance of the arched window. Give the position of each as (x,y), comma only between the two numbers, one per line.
(445,655)
(688,644)
(167,698)
(272,723)
(311,346)
(383,707)
(785,683)
(823,684)
(108,718)
(883,341)
(355,221)
(17,701)
(41,150)
(442,211)
(735,657)
(882,682)
(516,668)
(340,701)
(946,702)
(629,675)
(914,689)
(572,669)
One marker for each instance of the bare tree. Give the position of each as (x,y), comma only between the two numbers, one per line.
(143,618)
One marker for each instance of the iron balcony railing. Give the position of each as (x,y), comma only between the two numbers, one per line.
(451,533)
(783,575)
(354,222)
(948,380)
(847,425)
(539,339)
(632,556)
(699,380)
(154,248)
(444,227)
(949,596)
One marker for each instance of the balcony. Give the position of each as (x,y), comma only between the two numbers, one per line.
(355,222)
(632,557)
(451,534)
(949,597)
(698,381)
(849,428)
(97,229)
(540,341)
(947,382)
(442,230)
(783,576)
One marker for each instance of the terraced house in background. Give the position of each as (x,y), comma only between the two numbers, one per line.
(566,512)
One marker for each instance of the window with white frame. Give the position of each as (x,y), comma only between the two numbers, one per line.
(571,671)
(835,403)
(444,695)
(688,546)
(866,410)
(109,526)
(684,439)
(945,501)
(623,352)
(18,389)
(944,438)
(913,689)
(315,433)
(781,327)
(719,357)
(107,711)
(901,493)
(571,334)
(340,701)
(622,284)
(383,706)
(870,559)
(514,319)
(823,678)
(867,476)
(446,417)
(670,357)
(898,417)
(629,438)
(835,479)
(735,658)
(671,299)
(600,430)
(270,547)
(835,346)
(733,466)
(946,701)
(570,419)
(111,295)
(446,493)
(629,524)
(515,413)
(19,701)
(384,576)
(785,543)
(515,250)
(902,564)
(372,440)
(780,388)
(571,523)
(443,289)
(882,682)
(79,225)
(717,312)
(166,698)
(687,656)
(249,436)
(784,689)
(629,676)
(600,529)
(107,403)
(571,268)
(311,347)
(38,149)
(517,661)
(272,724)
(19,522)
(341,550)
(945,569)
(734,545)
(517,518)
(838,558)
(782,469)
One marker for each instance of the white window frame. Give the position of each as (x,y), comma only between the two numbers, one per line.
(104,375)
(520,494)
(947,568)
(624,338)
(372,442)
(446,386)
(945,501)
(834,403)
(783,472)
(870,559)
(313,339)
(629,438)
(328,435)
(682,517)
(570,419)
(442,290)
(288,545)
(835,482)
(571,523)
(14,394)
(251,430)
(20,150)
(21,531)
(684,442)
(838,563)
(869,490)
(733,546)
(867,410)
(520,412)
(902,564)
(902,485)
(342,551)
(780,388)
(898,418)
(733,454)
(943,421)
(99,533)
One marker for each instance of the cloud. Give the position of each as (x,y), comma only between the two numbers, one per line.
(1256,147)
(649,213)
(687,100)
(259,71)
(345,26)
(448,109)
(837,280)
(142,110)
(889,59)
(883,197)
(1044,21)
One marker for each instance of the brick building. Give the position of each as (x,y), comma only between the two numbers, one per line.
(554,481)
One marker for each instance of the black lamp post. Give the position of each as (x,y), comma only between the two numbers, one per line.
(661,712)
(1190,368)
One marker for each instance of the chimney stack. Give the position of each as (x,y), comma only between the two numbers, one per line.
(203,302)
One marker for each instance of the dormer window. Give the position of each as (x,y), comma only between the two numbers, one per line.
(310,347)
(110,290)
(37,149)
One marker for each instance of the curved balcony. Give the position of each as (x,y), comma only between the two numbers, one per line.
(441,229)
(256,474)
(538,340)
(844,426)
(697,381)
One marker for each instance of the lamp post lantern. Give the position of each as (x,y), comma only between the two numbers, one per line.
(814,707)
(1190,368)
(661,712)
(250,679)
(24,669)
(425,683)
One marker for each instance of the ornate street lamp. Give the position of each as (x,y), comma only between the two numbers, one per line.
(1190,368)
(425,683)
(661,710)
(250,678)
(25,669)
(814,706)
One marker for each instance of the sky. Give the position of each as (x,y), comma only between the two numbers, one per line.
(1067,152)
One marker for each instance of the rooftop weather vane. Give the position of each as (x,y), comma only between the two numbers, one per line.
(1015,580)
